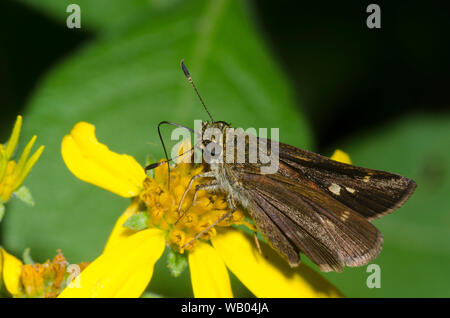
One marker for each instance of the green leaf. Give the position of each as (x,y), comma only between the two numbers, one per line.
(104,15)
(137,222)
(125,84)
(415,251)
(176,262)
(24,194)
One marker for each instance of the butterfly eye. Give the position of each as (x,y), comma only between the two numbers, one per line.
(212,148)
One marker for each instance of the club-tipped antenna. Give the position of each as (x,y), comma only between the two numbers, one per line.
(188,76)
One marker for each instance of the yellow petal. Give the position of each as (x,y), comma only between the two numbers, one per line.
(12,268)
(341,156)
(93,162)
(268,275)
(3,162)
(24,156)
(123,271)
(12,142)
(27,168)
(119,232)
(209,276)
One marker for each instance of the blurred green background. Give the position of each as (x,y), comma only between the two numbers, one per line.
(313,70)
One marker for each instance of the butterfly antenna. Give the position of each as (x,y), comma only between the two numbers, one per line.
(186,73)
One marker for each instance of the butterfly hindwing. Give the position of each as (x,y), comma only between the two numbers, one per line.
(329,233)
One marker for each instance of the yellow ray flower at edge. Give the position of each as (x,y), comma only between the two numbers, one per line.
(13,173)
(36,280)
(126,265)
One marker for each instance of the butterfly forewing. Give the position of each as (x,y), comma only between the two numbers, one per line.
(371,193)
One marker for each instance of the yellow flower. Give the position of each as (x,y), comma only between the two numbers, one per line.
(126,265)
(12,173)
(36,280)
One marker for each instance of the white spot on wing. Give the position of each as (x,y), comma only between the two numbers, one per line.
(350,190)
(334,188)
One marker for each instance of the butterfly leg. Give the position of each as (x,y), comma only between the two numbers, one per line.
(255,236)
(231,203)
(223,217)
(209,174)
(211,186)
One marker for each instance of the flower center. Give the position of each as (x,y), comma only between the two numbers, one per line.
(194,217)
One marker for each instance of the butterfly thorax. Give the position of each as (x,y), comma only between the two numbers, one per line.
(236,148)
